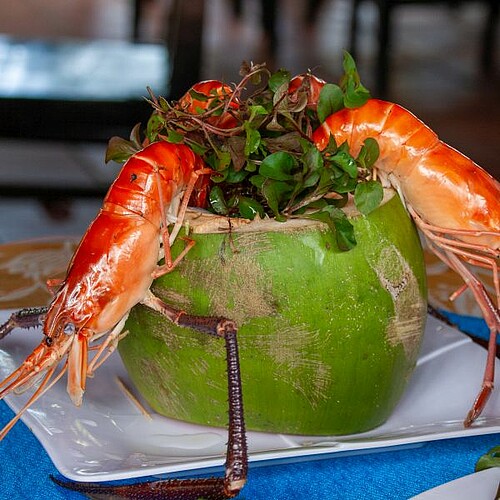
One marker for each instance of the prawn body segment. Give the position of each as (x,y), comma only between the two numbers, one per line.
(443,186)
(209,93)
(453,201)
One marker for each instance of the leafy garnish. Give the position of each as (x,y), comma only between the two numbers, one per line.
(489,460)
(367,196)
(120,150)
(331,99)
(355,93)
(257,138)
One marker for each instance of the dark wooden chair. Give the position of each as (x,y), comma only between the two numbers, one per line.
(386,9)
(76,113)
(81,116)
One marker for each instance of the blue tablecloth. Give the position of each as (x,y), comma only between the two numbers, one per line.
(396,474)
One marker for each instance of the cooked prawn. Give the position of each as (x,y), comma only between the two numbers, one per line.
(112,271)
(454,202)
(113,266)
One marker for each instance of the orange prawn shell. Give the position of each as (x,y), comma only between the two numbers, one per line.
(112,267)
(444,187)
(314,85)
(212,89)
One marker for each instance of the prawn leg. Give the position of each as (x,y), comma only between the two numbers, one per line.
(454,202)
(236,466)
(492,319)
(30,317)
(107,347)
(454,256)
(169,238)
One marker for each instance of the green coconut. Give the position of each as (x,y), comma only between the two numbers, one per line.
(328,339)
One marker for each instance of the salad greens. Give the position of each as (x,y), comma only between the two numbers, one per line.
(489,459)
(265,163)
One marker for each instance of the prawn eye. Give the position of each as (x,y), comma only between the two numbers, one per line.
(49,341)
(69,328)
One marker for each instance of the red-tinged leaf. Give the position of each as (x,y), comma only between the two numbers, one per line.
(120,150)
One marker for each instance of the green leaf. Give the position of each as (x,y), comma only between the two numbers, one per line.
(235,177)
(325,181)
(250,166)
(331,99)
(218,177)
(349,64)
(249,208)
(367,196)
(311,180)
(257,110)
(198,96)
(489,460)
(331,147)
(257,180)
(164,104)
(232,202)
(252,142)
(174,137)
(275,192)
(120,150)
(278,79)
(339,224)
(344,230)
(199,149)
(223,160)
(217,201)
(355,94)
(369,153)
(344,184)
(153,127)
(346,162)
(312,159)
(278,166)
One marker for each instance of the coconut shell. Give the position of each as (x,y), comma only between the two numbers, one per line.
(328,339)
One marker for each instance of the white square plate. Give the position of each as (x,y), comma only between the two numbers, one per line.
(108,437)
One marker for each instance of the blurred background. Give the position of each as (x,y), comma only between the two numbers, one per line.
(74,73)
